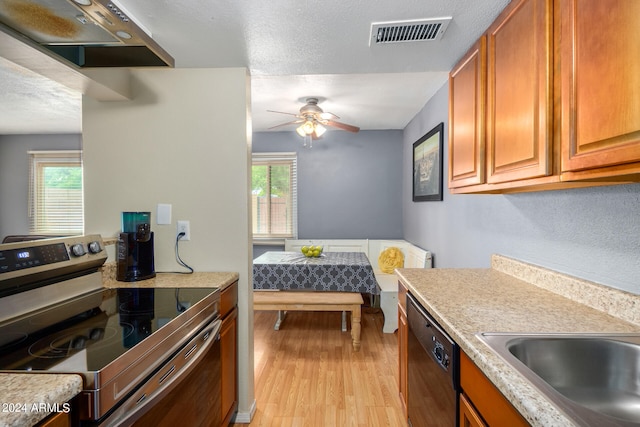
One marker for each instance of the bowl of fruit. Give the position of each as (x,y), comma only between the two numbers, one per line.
(311,251)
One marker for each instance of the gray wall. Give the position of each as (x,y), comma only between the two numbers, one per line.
(14,175)
(349,185)
(592,233)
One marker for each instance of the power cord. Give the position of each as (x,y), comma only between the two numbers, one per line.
(179,260)
(181,308)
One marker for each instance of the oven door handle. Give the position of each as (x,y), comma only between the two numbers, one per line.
(166,378)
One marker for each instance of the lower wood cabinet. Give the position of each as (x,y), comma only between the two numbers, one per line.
(229,352)
(468,415)
(60,419)
(481,403)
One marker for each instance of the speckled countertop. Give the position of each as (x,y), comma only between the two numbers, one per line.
(513,296)
(27,399)
(212,279)
(27,389)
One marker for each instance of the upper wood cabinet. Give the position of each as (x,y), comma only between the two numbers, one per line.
(467,95)
(559,105)
(519,92)
(600,72)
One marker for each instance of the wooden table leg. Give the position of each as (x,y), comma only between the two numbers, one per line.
(279,320)
(355,327)
(344,321)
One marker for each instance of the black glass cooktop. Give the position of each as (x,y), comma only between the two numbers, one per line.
(90,340)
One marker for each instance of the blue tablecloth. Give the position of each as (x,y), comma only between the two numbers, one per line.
(332,271)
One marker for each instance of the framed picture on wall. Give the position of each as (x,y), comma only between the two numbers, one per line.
(427,166)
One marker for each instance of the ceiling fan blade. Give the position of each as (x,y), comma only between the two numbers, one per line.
(343,126)
(294,122)
(328,116)
(282,112)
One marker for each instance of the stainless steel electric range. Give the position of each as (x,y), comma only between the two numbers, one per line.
(132,346)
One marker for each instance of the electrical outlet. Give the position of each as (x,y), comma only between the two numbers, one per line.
(183,227)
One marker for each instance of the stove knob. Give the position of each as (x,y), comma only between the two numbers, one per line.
(94,247)
(77,249)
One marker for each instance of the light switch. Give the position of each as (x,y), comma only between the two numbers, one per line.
(164,214)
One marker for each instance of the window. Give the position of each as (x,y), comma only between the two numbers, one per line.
(274,197)
(55,193)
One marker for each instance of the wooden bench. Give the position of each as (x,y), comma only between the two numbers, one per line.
(313,301)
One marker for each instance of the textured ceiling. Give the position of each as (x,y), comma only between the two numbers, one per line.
(293,49)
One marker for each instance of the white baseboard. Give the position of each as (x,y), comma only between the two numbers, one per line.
(245,417)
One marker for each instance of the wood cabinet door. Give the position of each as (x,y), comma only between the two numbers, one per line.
(520,92)
(228,299)
(467,99)
(59,419)
(468,415)
(600,68)
(228,359)
(494,408)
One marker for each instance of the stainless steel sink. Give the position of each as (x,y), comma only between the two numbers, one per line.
(593,378)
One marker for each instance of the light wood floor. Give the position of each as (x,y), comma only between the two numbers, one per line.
(307,374)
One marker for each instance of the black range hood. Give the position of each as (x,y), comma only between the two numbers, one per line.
(85,33)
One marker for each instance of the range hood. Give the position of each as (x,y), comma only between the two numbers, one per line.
(85,33)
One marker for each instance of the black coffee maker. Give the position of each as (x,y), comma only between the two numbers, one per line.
(135,248)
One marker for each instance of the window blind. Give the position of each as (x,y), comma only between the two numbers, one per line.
(56,204)
(274,197)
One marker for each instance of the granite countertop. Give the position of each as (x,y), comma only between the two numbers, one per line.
(513,296)
(27,399)
(171,280)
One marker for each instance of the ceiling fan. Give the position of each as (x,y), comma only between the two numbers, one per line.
(312,121)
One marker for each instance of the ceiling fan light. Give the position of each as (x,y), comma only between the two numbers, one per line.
(320,130)
(308,127)
(300,131)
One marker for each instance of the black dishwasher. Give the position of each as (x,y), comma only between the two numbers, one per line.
(433,371)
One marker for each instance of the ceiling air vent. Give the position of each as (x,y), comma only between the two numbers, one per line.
(408,31)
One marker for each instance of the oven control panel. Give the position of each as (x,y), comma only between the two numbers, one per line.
(16,259)
(40,260)
(36,253)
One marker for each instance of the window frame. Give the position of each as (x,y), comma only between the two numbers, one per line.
(38,161)
(275,159)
